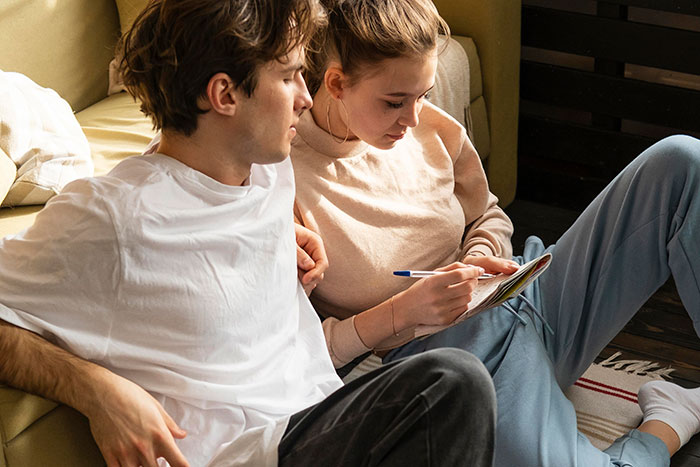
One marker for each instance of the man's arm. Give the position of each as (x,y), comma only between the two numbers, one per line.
(128,424)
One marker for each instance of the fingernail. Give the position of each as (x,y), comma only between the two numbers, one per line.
(308,263)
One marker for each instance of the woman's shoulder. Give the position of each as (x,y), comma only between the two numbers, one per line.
(435,122)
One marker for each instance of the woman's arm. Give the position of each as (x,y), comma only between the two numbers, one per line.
(488,228)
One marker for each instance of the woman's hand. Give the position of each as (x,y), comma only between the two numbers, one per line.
(312,261)
(437,299)
(492,264)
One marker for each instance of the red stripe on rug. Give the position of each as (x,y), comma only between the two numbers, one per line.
(590,381)
(609,393)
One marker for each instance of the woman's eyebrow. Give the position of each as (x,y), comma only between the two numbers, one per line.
(404,94)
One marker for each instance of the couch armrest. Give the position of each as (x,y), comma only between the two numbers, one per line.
(494,25)
(36,432)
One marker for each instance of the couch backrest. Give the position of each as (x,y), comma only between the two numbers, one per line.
(65,45)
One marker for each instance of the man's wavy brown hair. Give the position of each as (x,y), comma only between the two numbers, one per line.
(176,46)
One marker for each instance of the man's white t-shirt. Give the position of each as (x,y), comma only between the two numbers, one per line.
(185,286)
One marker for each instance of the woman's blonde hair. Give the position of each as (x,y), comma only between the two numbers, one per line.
(361,33)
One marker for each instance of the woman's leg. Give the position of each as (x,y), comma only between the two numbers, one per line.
(644,226)
(604,268)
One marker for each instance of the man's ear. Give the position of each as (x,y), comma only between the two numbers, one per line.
(335,80)
(221,94)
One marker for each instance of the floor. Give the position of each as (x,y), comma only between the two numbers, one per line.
(661,331)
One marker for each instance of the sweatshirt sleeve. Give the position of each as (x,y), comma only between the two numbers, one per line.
(342,340)
(488,228)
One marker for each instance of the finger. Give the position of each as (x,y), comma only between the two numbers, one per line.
(456,275)
(312,278)
(173,427)
(170,452)
(493,264)
(304,261)
(460,289)
(317,252)
(110,460)
(148,459)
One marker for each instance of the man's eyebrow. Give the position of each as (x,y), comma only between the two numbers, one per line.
(404,94)
(293,67)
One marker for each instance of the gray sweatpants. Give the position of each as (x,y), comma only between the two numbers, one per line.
(643,227)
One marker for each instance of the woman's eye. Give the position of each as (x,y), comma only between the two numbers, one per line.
(394,105)
(427,95)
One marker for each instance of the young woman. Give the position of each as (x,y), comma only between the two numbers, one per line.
(390,182)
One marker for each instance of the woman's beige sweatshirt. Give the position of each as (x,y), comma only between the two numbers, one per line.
(423,204)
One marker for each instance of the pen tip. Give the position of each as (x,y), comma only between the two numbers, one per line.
(402,273)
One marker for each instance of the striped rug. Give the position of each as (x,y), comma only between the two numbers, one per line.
(605,397)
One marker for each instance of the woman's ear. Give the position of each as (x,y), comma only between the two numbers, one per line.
(221,95)
(335,80)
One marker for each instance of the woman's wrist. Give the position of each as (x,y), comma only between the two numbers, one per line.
(400,317)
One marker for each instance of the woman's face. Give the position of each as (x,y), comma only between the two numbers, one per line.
(387,99)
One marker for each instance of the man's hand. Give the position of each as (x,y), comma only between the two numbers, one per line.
(312,261)
(131,428)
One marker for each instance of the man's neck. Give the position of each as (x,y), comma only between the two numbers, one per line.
(206,156)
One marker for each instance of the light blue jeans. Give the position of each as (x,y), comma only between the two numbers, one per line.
(644,226)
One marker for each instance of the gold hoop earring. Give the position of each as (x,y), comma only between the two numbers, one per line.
(328,122)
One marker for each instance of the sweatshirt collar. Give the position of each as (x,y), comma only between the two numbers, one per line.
(324,142)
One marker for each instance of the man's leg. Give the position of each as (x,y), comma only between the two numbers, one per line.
(434,409)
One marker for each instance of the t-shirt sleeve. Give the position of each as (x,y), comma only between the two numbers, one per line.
(58,278)
(488,228)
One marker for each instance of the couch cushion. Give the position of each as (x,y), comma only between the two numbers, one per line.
(42,137)
(65,45)
(115,129)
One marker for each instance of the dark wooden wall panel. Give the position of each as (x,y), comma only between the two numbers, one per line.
(572,137)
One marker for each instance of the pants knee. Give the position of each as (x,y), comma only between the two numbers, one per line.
(679,154)
(462,376)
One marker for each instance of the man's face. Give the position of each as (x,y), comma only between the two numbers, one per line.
(270,115)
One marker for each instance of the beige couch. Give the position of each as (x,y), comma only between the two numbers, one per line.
(67,45)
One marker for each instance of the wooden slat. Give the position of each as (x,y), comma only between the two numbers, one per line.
(686,362)
(607,151)
(686,7)
(613,39)
(563,185)
(619,97)
(673,328)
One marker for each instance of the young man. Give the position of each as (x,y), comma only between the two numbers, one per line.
(165,293)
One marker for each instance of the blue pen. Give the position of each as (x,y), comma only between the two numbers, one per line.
(433,273)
